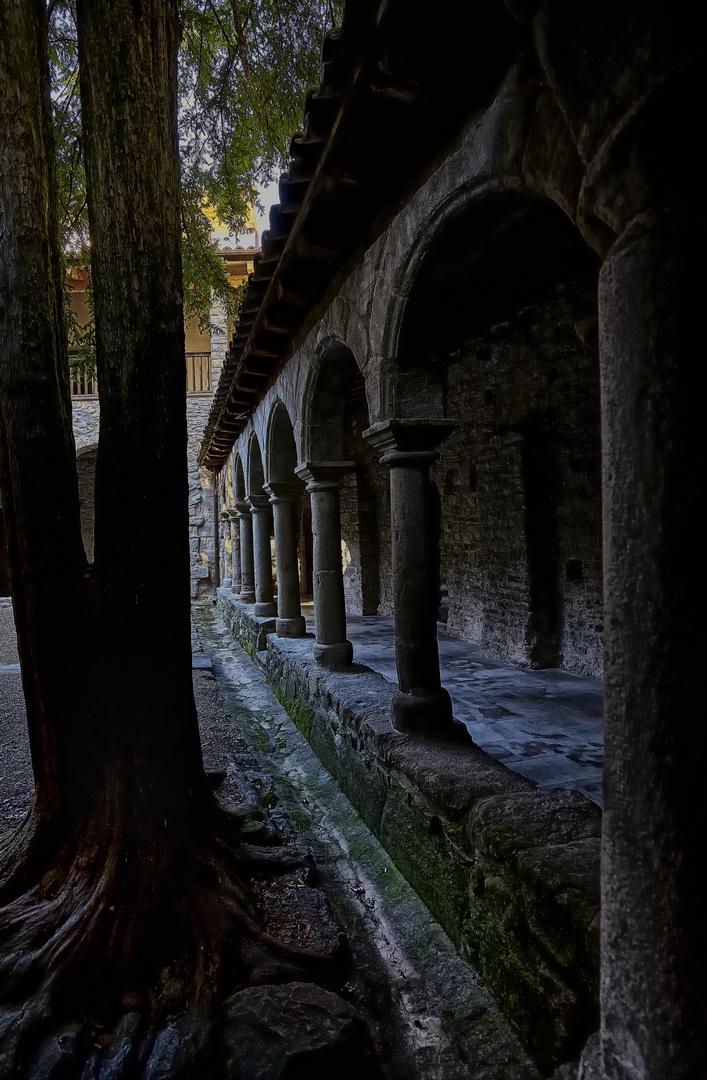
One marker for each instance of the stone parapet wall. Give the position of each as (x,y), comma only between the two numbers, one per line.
(511,873)
(250,631)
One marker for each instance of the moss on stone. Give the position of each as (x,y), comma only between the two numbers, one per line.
(423,849)
(300,713)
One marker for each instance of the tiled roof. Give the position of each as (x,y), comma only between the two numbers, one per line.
(395,87)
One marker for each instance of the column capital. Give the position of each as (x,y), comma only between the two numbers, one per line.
(243,508)
(409,440)
(229,514)
(283,490)
(258,503)
(319,475)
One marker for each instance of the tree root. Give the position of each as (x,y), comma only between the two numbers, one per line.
(118,946)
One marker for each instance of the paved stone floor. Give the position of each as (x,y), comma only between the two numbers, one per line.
(545,725)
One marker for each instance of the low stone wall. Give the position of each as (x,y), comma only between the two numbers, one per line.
(511,873)
(249,630)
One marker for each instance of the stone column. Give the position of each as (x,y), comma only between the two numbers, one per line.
(265,606)
(290,621)
(227,563)
(235,551)
(653,981)
(408,448)
(323,478)
(247,593)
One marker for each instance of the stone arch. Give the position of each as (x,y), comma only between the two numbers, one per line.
(255,476)
(335,416)
(498,331)
(408,263)
(86,475)
(281,450)
(281,462)
(238,478)
(335,387)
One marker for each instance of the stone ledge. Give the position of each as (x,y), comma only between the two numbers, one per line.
(511,873)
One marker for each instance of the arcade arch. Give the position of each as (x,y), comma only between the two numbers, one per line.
(500,320)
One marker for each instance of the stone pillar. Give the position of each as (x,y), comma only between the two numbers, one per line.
(265,605)
(227,563)
(407,447)
(653,982)
(247,593)
(290,621)
(323,478)
(235,551)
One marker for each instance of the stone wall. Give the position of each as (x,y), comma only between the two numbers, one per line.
(519,480)
(511,873)
(201,516)
(85,419)
(365,529)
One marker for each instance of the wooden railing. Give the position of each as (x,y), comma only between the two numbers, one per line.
(83,387)
(198,378)
(199,373)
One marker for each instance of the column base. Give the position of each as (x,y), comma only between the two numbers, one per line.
(334,657)
(296,627)
(420,713)
(226,583)
(247,596)
(265,610)
(236,589)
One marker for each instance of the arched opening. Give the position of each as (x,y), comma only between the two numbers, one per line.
(282,452)
(339,416)
(282,462)
(263,532)
(256,475)
(502,312)
(86,473)
(238,479)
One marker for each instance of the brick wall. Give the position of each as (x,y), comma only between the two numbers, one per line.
(519,483)
(365,527)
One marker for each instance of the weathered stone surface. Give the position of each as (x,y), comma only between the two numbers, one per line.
(510,872)
(505,825)
(174,1051)
(296,1030)
(455,778)
(55,1053)
(426,849)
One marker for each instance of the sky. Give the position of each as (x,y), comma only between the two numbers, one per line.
(269,194)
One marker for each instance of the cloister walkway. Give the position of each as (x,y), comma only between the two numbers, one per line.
(544,724)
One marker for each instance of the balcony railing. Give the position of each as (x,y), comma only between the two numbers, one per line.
(198,378)
(84,387)
(199,373)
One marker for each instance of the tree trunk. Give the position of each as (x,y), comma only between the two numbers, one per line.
(123,891)
(45,554)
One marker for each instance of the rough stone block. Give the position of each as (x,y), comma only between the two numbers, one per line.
(297,1029)
(425,849)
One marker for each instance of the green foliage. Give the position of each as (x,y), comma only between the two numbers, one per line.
(82,336)
(244,68)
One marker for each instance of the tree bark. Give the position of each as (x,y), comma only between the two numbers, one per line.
(38,484)
(123,894)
